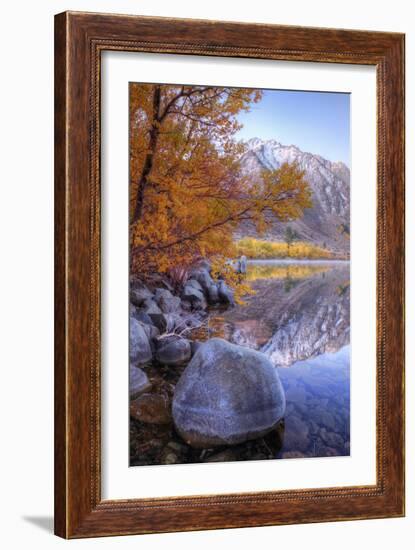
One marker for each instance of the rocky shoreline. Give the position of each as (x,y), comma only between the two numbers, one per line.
(193,401)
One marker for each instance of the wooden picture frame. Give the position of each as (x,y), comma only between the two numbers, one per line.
(79,40)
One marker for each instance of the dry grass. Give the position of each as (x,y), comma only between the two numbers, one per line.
(255,248)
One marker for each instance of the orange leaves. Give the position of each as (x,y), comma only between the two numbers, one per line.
(221,267)
(188,193)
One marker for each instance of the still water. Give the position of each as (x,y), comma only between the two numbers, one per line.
(299,316)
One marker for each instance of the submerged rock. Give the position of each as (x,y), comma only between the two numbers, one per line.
(227,395)
(151,409)
(140,349)
(228,455)
(173,351)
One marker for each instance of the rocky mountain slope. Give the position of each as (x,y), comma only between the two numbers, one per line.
(327,222)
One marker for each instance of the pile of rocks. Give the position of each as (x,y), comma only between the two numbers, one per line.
(226,394)
(159,318)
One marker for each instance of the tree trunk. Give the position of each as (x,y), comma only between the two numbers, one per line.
(148,162)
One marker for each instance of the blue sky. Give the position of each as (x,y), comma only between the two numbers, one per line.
(317,122)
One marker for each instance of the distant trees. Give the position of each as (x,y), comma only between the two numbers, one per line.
(256,248)
(290,236)
(188,192)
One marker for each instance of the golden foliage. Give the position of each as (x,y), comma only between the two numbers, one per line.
(187,190)
(256,248)
(222,268)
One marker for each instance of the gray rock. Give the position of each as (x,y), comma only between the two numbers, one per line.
(227,395)
(133,310)
(185,305)
(173,351)
(293,454)
(166,301)
(204,264)
(331,439)
(170,305)
(166,284)
(169,458)
(195,297)
(138,294)
(139,382)
(167,322)
(177,447)
(194,284)
(140,349)
(203,277)
(213,294)
(160,321)
(143,317)
(228,455)
(241,265)
(152,333)
(160,292)
(150,306)
(225,293)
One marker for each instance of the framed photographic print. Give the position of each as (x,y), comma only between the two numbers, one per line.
(229,215)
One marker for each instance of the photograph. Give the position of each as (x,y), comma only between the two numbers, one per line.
(239,274)
(229,273)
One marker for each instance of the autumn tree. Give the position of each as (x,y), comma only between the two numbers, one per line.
(188,190)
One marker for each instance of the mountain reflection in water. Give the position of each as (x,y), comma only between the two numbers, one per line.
(297,311)
(299,316)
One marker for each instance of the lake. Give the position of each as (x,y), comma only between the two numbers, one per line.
(299,316)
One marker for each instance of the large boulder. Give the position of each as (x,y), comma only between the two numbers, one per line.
(173,351)
(140,349)
(227,395)
(139,382)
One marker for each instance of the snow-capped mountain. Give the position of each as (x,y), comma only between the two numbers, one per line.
(325,222)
